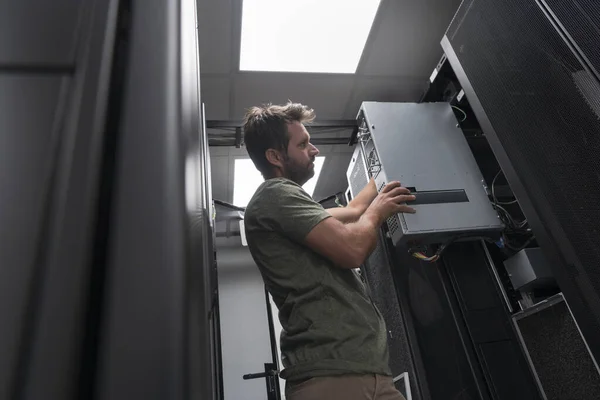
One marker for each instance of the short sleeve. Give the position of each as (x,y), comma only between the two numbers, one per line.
(286,208)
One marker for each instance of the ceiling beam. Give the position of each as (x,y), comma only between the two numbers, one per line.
(231,142)
(324,123)
(237,125)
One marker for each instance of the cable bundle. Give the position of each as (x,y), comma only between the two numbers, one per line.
(513,226)
(423,257)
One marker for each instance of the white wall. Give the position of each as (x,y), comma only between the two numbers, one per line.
(245,342)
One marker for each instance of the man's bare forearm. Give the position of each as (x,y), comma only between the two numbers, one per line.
(357,206)
(365,197)
(361,237)
(348,245)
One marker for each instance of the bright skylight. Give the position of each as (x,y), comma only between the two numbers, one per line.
(305,35)
(246,179)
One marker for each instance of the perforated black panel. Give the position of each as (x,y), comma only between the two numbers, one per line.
(581,20)
(383,292)
(574,376)
(541,101)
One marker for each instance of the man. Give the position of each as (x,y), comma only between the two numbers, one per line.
(333,343)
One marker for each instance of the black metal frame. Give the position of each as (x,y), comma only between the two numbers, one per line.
(273,387)
(475,259)
(323,123)
(55,357)
(158,324)
(420,390)
(221,138)
(552,239)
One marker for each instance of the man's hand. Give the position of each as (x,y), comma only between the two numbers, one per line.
(348,245)
(390,201)
(356,207)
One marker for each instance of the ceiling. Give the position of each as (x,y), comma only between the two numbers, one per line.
(401,52)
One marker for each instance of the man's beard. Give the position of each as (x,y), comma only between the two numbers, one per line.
(297,172)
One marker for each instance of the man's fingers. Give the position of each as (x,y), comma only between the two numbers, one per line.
(406,209)
(399,191)
(390,186)
(403,198)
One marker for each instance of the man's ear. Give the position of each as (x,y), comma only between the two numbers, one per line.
(274,157)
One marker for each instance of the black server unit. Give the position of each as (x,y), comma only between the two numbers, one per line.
(106,251)
(530,69)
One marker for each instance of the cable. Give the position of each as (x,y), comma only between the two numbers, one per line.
(503,213)
(229,205)
(513,227)
(423,257)
(517,248)
(438,253)
(494,192)
(462,112)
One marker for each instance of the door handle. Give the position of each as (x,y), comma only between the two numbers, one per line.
(260,375)
(270,375)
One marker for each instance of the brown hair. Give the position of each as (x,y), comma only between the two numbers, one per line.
(265,128)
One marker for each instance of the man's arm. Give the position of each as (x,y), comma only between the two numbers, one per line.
(348,245)
(357,206)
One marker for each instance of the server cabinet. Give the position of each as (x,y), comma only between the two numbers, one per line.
(156,327)
(55,64)
(530,72)
(106,247)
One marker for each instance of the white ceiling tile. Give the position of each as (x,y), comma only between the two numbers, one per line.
(327,94)
(215,96)
(215,39)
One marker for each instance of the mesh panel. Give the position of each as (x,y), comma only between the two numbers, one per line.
(575,376)
(526,79)
(581,19)
(392,223)
(358,178)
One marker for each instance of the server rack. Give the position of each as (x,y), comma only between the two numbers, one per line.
(531,76)
(106,248)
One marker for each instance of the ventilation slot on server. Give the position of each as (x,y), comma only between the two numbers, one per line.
(358,177)
(392,223)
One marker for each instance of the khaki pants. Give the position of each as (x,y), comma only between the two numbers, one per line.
(346,387)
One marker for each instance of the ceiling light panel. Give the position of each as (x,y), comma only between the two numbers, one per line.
(326,36)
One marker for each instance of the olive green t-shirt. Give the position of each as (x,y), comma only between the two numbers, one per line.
(330,325)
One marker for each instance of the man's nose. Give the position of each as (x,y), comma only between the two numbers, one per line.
(314,150)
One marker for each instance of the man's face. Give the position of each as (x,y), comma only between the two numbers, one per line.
(299,164)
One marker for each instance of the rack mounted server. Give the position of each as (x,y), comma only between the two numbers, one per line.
(422,146)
